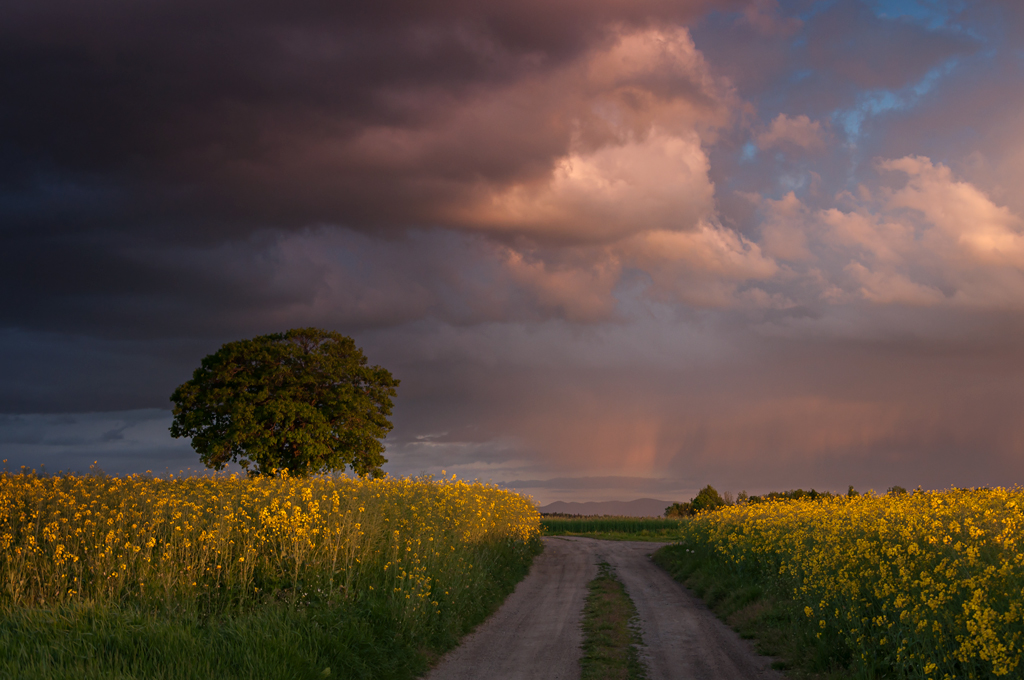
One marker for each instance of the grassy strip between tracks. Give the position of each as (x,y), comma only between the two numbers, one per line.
(611,637)
(776,623)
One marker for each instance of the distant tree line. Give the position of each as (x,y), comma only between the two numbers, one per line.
(708,499)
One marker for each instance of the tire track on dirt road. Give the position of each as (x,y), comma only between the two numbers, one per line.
(536,633)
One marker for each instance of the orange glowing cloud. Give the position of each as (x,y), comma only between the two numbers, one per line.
(797,131)
(639,112)
(934,241)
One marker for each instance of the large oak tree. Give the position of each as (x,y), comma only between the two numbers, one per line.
(304,401)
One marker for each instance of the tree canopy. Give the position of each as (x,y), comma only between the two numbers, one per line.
(304,401)
(706,499)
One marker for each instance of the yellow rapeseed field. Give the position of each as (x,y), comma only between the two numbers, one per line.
(926,584)
(104,540)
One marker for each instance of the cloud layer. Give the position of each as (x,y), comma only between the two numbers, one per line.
(759,244)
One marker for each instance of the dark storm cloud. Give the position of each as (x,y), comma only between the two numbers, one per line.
(152,155)
(117,442)
(130,288)
(199,119)
(62,372)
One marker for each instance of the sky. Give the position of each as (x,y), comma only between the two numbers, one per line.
(611,248)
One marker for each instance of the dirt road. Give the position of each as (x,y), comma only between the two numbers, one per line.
(536,633)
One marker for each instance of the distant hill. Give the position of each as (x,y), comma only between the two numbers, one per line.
(642,507)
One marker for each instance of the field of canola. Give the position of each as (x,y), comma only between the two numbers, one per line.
(109,539)
(922,585)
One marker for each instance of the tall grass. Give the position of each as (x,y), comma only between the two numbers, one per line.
(418,558)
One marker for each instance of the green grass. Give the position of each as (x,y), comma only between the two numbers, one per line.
(611,638)
(274,639)
(758,612)
(275,642)
(613,528)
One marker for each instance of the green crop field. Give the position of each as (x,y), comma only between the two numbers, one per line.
(612,528)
